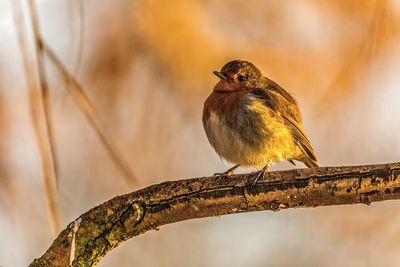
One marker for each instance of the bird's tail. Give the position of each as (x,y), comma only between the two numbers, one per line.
(310,163)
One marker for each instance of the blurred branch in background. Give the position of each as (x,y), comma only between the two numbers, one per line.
(40,107)
(82,100)
(95,233)
(81,35)
(38,88)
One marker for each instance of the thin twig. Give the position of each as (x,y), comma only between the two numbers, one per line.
(81,36)
(106,226)
(37,85)
(43,81)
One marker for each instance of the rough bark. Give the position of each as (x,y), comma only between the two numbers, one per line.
(89,238)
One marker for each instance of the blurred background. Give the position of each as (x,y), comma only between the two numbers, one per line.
(147,67)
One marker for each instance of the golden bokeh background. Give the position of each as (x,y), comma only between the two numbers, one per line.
(147,67)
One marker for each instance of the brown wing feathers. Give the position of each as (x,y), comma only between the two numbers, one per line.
(303,142)
(279,100)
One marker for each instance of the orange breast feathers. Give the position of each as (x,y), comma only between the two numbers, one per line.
(222,103)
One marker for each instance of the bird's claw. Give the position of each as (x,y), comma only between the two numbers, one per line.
(262,173)
(227,173)
(259,175)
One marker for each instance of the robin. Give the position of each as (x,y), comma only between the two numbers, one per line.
(251,121)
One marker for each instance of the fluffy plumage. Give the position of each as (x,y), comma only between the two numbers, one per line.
(252,121)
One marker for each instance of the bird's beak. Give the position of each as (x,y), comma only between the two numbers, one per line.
(220,75)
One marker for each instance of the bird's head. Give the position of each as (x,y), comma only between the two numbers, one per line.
(238,75)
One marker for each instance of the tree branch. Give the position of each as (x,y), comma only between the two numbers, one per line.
(90,237)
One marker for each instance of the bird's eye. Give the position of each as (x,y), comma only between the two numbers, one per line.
(242,78)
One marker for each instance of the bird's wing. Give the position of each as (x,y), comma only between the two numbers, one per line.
(280,101)
(275,88)
(300,137)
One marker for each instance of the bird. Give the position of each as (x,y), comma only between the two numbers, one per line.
(251,121)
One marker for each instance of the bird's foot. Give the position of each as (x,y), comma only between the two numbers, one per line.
(226,173)
(262,173)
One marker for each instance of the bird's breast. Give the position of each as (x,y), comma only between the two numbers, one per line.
(242,129)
